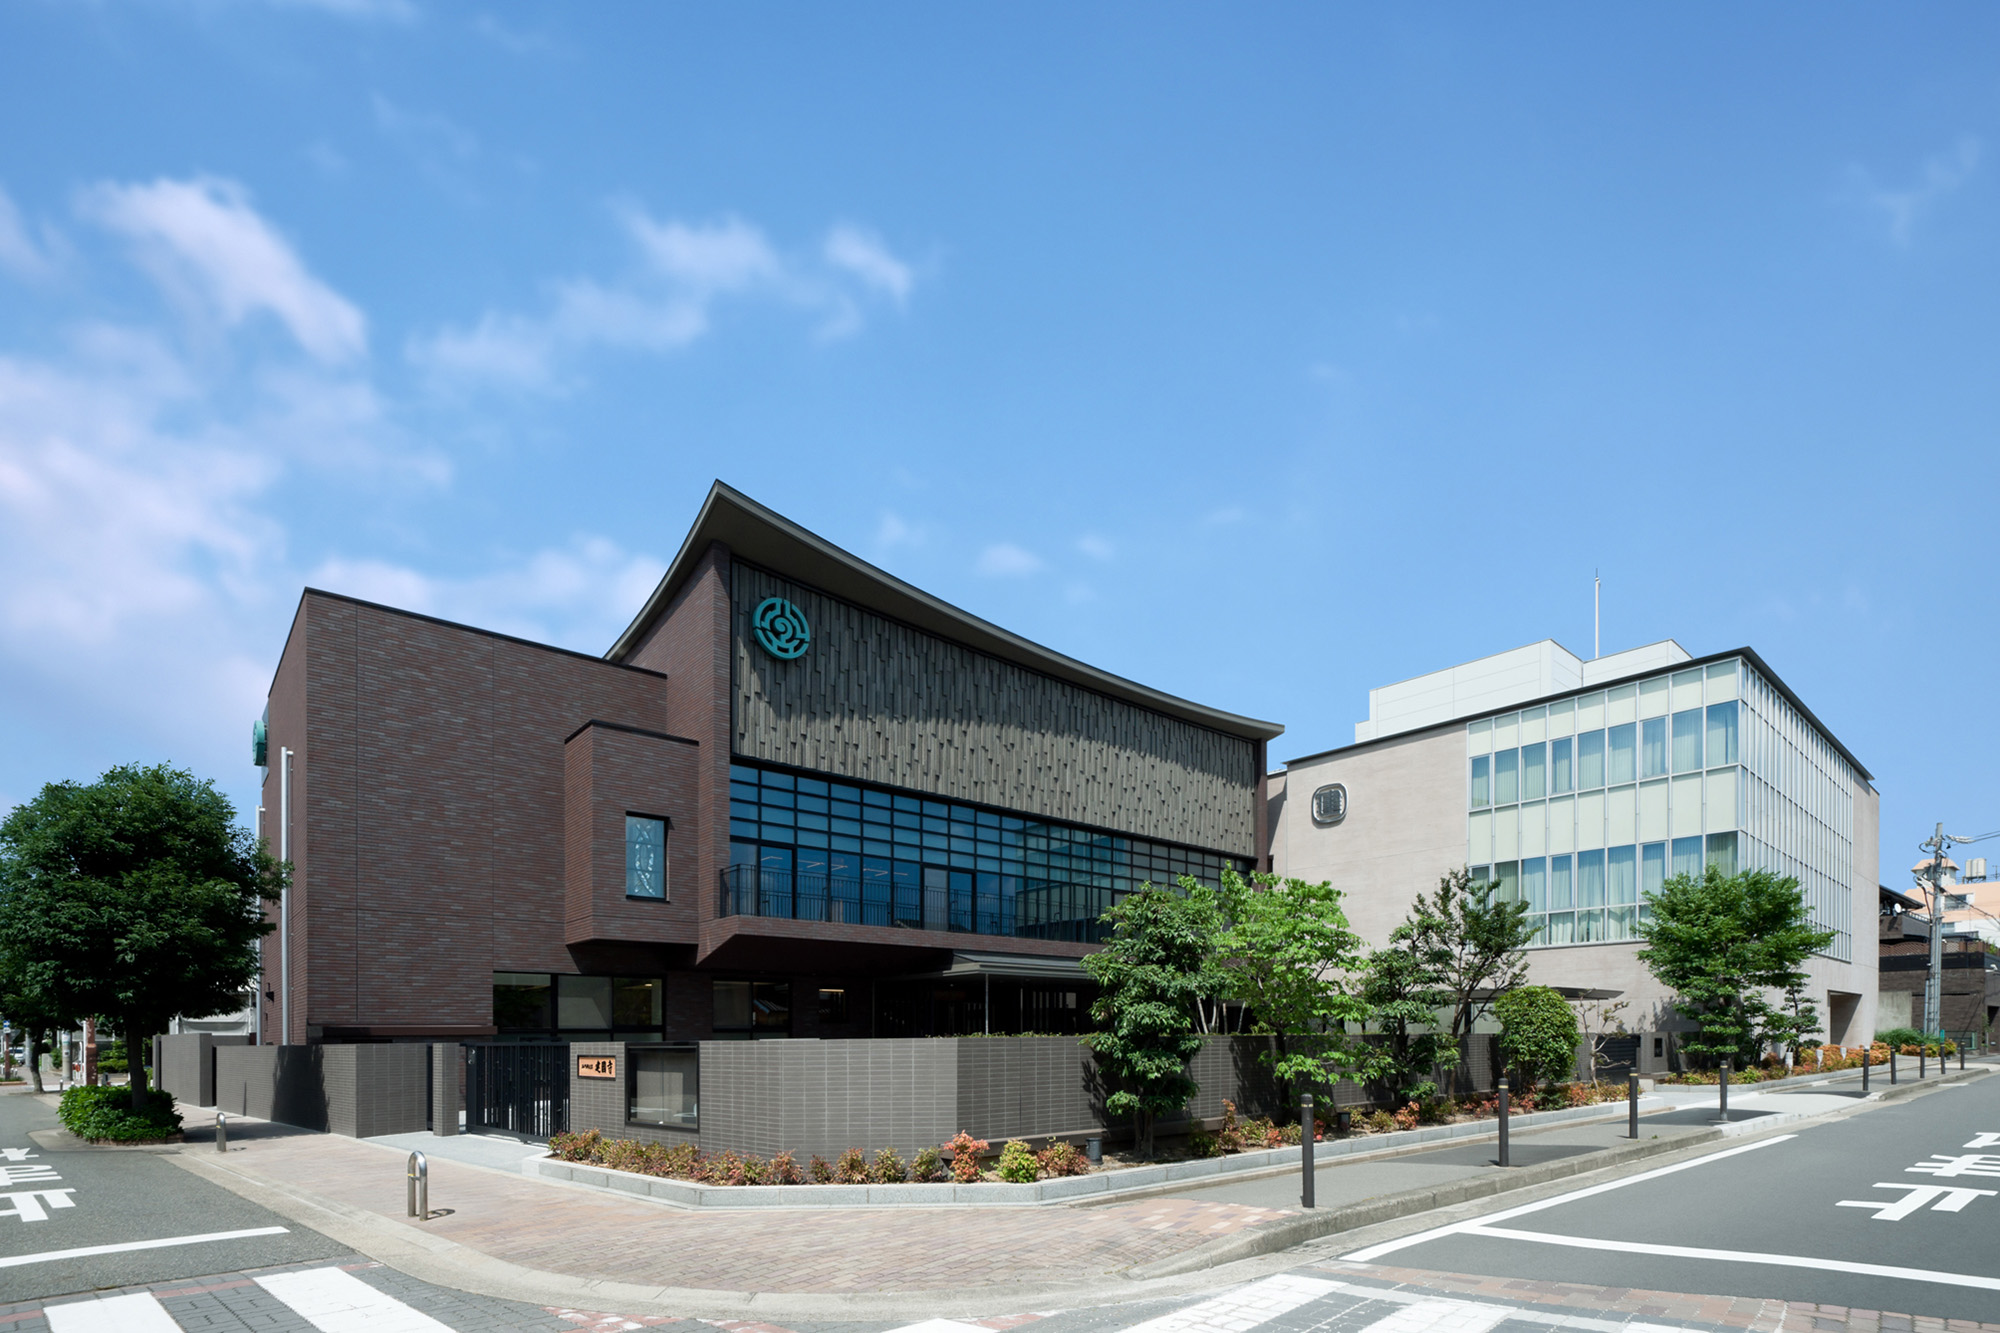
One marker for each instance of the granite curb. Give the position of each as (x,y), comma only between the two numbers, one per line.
(1099,1187)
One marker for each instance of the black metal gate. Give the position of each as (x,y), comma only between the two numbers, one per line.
(518,1088)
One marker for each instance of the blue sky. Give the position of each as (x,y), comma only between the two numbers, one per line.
(1263,356)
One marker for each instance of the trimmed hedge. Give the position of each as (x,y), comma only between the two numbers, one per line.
(105,1115)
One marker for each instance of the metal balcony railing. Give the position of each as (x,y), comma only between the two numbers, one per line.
(1043,911)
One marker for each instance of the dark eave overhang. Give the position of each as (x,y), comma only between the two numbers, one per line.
(1747,654)
(760,536)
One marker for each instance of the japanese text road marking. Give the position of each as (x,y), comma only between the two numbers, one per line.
(27,1204)
(1950,1199)
(1967,1164)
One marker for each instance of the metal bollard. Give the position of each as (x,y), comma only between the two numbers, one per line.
(1892,1066)
(1923,1062)
(1961,1057)
(1632,1101)
(1306,1150)
(419,1187)
(222,1131)
(1722,1102)
(1865,1053)
(1503,1123)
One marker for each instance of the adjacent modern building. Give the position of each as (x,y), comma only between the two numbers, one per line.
(1580,785)
(797,797)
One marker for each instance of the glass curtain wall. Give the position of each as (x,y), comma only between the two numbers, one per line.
(1582,806)
(819,849)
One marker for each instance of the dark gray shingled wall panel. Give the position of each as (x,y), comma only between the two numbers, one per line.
(876,700)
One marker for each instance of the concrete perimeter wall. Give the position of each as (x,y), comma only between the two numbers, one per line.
(822,1097)
(184,1064)
(359,1091)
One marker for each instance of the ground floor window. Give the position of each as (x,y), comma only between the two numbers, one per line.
(663,1087)
(760,1008)
(544,1006)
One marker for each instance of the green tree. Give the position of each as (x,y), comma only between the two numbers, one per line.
(1719,942)
(137,896)
(1538,1034)
(1292,959)
(1404,991)
(28,1013)
(1153,974)
(1793,1022)
(1479,938)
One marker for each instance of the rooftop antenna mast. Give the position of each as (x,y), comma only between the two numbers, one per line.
(1596,616)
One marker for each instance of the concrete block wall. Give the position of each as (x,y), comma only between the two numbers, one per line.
(184,1064)
(447,1087)
(359,1091)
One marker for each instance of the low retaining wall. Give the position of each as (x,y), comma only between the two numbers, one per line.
(359,1091)
(823,1097)
(1069,1189)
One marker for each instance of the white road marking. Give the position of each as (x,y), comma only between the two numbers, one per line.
(1242,1309)
(1373,1252)
(49,1256)
(1950,1200)
(27,1204)
(136,1313)
(335,1301)
(1441,1317)
(942,1326)
(1744,1257)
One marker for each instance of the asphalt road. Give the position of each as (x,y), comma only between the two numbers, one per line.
(1893,1209)
(116,1198)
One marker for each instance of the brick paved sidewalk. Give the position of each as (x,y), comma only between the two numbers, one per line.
(589,1234)
(1631,1304)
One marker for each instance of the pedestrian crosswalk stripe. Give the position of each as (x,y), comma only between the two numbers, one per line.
(1432,1316)
(1244,1308)
(335,1301)
(135,1313)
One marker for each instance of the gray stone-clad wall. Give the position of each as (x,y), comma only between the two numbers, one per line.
(821,1097)
(359,1091)
(879,701)
(1011,1087)
(184,1064)
(447,1086)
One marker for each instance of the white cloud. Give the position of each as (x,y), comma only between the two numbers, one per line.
(725,256)
(1096,547)
(1940,177)
(863,254)
(205,244)
(1006,560)
(20,254)
(894,530)
(684,271)
(579,596)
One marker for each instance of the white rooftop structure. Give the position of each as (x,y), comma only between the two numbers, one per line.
(1492,684)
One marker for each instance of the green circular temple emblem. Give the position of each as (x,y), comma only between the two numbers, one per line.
(781,628)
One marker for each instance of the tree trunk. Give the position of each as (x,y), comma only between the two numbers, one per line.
(35,1059)
(1142,1125)
(135,1065)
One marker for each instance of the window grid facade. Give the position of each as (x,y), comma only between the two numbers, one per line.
(1000,873)
(1582,806)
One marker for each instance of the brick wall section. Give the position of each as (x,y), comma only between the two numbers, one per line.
(690,644)
(184,1064)
(430,771)
(609,772)
(287,726)
(599,1103)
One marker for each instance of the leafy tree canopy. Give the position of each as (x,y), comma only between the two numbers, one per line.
(1538,1034)
(1404,991)
(1478,939)
(1290,956)
(1719,942)
(136,897)
(1152,974)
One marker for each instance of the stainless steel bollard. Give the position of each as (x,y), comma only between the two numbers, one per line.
(1923,1062)
(1503,1123)
(1722,1103)
(1892,1066)
(1961,1057)
(1865,1053)
(222,1131)
(419,1187)
(1632,1101)
(1306,1150)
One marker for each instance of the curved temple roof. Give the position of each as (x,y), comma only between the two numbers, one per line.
(761,536)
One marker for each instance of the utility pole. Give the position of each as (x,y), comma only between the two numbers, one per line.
(1930,876)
